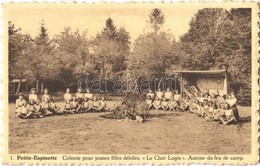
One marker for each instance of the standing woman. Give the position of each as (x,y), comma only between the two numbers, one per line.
(159,94)
(32,95)
(168,94)
(232,103)
(89,95)
(79,96)
(67,95)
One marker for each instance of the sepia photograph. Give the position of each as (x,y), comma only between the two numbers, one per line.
(131,79)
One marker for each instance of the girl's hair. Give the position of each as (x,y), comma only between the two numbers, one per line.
(33,89)
(232,93)
(227,106)
(32,101)
(205,101)
(225,97)
(206,94)
(221,105)
(52,99)
(214,105)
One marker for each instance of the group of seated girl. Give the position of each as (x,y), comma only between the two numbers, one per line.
(216,108)
(73,104)
(210,106)
(162,100)
(83,102)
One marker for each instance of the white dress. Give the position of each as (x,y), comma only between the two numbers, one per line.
(33,97)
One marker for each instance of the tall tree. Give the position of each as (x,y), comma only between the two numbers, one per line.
(73,55)
(156,19)
(155,51)
(41,61)
(18,49)
(111,47)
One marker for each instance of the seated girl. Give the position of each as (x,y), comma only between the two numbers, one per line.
(53,107)
(150,94)
(193,106)
(96,104)
(49,106)
(75,106)
(173,105)
(32,110)
(228,117)
(165,104)
(45,106)
(200,110)
(210,109)
(148,103)
(67,107)
(206,108)
(85,105)
(218,112)
(21,109)
(91,103)
(184,105)
(157,103)
(38,107)
(103,105)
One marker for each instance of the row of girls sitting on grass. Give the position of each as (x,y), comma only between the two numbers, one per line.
(213,107)
(79,103)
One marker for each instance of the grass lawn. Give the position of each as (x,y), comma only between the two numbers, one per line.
(165,133)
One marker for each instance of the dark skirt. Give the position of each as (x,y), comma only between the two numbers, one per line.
(80,101)
(235,112)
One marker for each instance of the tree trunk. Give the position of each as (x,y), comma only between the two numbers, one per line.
(42,87)
(19,86)
(37,85)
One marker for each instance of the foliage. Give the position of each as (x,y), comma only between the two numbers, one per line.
(111,47)
(221,39)
(72,54)
(216,39)
(153,52)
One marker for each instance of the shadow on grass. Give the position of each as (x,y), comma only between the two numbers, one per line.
(151,115)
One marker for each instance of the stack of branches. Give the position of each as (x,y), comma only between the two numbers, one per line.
(132,106)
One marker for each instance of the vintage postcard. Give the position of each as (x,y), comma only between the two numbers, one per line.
(139,83)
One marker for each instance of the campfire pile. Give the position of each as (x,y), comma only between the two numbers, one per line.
(131,107)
